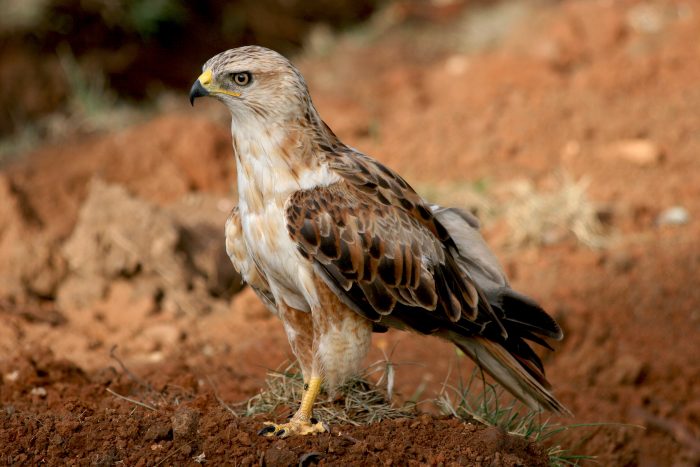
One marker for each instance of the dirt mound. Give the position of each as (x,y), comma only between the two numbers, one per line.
(180,266)
(120,237)
(53,412)
(30,265)
(158,160)
(153,161)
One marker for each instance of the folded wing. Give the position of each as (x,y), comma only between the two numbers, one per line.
(388,255)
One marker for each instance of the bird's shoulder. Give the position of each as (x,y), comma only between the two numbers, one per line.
(372,184)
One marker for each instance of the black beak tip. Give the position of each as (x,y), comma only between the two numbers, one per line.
(196,91)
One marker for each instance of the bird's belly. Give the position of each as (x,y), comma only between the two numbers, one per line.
(276,255)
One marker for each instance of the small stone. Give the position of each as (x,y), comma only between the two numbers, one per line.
(158,432)
(641,152)
(647,18)
(676,215)
(41,392)
(185,422)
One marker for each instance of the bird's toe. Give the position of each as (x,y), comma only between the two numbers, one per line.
(293,428)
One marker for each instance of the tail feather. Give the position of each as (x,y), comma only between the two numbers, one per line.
(536,339)
(519,376)
(523,312)
(497,337)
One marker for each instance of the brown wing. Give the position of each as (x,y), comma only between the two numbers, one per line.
(387,187)
(382,261)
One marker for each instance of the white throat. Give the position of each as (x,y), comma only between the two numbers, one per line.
(272,164)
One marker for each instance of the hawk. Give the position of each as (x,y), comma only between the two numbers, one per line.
(338,245)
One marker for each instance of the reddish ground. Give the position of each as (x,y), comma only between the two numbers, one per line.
(73,421)
(563,89)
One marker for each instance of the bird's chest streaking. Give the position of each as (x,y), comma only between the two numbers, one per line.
(268,173)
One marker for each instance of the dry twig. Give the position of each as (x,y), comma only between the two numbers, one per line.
(171,454)
(220,400)
(129,373)
(133,401)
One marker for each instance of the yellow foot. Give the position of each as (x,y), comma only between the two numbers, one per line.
(293,428)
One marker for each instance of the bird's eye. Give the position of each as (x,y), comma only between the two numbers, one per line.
(242,79)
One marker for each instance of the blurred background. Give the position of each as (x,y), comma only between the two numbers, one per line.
(102,51)
(571,128)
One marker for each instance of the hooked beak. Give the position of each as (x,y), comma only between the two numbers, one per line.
(199,87)
(197,91)
(203,87)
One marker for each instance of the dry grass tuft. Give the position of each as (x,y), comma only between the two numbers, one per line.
(532,216)
(476,399)
(548,217)
(359,402)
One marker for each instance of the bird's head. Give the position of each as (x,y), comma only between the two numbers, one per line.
(253,82)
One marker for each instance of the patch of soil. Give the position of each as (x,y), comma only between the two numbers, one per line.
(161,161)
(54,413)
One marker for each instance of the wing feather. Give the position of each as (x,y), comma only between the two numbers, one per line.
(378,254)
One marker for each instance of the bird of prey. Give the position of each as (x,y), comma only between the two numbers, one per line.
(338,245)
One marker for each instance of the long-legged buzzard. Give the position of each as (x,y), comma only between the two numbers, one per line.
(338,245)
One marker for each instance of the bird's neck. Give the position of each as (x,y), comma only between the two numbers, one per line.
(276,159)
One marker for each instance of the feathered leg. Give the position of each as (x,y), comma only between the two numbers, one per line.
(300,332)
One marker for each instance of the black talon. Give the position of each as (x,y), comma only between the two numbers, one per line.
(265,430)
(280,433)
(314,420)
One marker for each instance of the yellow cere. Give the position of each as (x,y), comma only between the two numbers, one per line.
(205,78)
